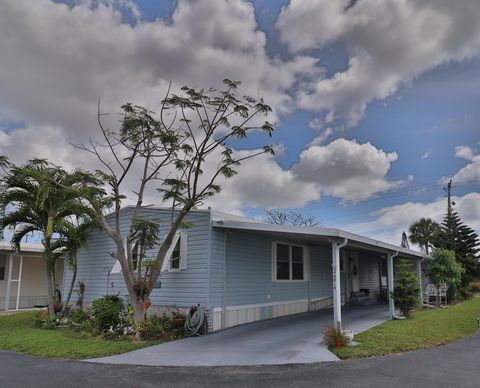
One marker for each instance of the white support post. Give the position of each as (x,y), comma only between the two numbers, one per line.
(9,282)
(19,283)
(391,302)
(337,295)
(419,274)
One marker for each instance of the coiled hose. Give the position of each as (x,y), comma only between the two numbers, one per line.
(195,321)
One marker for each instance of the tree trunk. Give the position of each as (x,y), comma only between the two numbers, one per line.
(70,290)
(51,292)
(139,310)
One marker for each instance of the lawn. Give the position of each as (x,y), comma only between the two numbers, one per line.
(17,333)
(425,329)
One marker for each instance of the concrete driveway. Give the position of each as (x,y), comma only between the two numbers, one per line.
(288,340)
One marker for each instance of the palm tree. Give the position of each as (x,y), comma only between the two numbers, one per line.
(40,197)
(73,237)
(423,233)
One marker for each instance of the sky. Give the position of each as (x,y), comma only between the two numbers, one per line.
(375,104)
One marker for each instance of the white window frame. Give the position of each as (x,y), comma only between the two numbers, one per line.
(166,266)
(178,241)
(306,262)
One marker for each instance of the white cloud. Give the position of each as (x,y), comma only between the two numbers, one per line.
(262,183)
(347,169)
(343,168)
(60,66)
(391,221)
(316,123)
(324,135)
(427,154)
(464,152)
(388,43)
(469,173)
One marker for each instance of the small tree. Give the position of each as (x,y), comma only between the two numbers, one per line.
(443,268)
(407,288)
(290,217)
(183,156)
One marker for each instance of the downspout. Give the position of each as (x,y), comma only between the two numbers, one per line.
(390,286)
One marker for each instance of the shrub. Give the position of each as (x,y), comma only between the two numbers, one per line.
(78,316)
(155,327)
(444,268)
(407,289)
(107,312)
(334,338)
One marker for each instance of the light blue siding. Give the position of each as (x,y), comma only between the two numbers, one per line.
(249,271)
(369,273)
(321,274)
(216,271)
(183,288)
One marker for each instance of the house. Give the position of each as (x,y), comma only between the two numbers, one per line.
(242,270)
(23,279)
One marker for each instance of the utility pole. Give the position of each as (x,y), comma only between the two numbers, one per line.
(449,195)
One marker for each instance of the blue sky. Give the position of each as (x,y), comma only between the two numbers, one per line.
(371,116)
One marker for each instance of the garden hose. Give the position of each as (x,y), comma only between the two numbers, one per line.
(195,320)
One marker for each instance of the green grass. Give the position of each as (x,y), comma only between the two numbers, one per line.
(17,333)
(425,329)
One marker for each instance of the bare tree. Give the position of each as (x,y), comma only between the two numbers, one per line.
(290,217)
(172,156)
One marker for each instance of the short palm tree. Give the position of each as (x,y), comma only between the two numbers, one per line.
(41,197)
(73,236)
(423,233)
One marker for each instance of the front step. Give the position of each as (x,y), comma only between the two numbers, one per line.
(365,300)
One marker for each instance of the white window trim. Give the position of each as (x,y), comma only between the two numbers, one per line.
(306,266)
(166,266)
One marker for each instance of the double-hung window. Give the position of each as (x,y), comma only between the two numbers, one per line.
(289,262)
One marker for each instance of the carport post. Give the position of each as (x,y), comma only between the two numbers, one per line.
(391,302)
(337,295)
(9,282)
(419,274)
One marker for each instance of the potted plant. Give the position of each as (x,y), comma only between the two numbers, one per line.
(178,318)
(335,338)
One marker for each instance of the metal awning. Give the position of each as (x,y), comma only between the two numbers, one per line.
(320,235)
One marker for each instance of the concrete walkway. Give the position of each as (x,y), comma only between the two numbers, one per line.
(288,340)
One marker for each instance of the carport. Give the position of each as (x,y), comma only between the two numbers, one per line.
(339,241)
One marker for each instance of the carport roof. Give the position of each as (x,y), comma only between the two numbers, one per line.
(24,247)
(317,233)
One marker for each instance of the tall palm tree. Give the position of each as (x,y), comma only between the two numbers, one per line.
(423,233)
(40,197)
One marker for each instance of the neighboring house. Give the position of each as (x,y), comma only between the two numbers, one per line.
(23,279)
(242,271)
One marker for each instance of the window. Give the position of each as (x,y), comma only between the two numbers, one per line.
(289,262)
(3,260)
(176,256)
(135,255)
(175,260)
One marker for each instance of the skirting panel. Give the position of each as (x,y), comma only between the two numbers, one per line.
(238,315)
